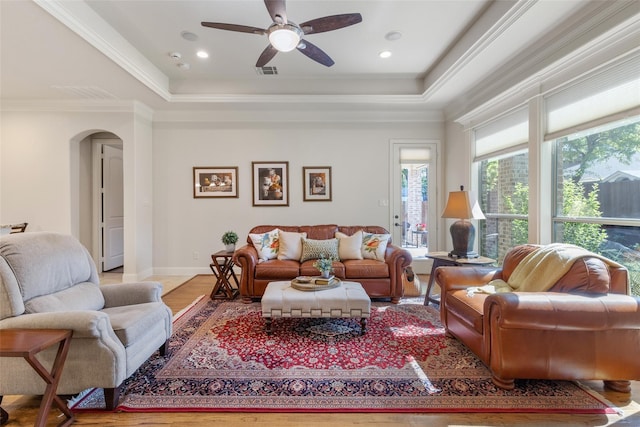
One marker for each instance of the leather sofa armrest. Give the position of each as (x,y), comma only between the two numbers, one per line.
(561,311)
(246,257)
(397,260)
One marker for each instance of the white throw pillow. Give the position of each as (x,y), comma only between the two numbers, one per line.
(350,247)
(266,244)
(374,245)
(290,245)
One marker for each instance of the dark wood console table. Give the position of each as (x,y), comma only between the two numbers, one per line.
(27,343)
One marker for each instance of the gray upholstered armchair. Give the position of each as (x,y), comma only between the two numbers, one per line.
(49,280)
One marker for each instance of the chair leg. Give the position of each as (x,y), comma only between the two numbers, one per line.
(111,397)
(163,348)
(621,386)
(505,384)
(4,415)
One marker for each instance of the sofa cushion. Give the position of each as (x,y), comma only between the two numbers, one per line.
(132,323)
(276,269)
(469,308)
(350,247)
(374,246)
(290,244)
(314,249)
(83,296)
(307,269)
(365,269)
(267,244)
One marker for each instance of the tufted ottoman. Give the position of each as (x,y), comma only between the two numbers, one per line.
(347,300)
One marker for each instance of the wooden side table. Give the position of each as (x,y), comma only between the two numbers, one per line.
(222,267)
(29,342)
(441,259)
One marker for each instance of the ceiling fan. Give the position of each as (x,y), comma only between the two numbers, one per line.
(285,35)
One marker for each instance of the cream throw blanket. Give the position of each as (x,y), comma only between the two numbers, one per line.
(540,269)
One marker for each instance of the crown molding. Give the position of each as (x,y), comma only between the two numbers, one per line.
(82,20)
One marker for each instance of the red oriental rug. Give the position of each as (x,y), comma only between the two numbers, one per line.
(221,359)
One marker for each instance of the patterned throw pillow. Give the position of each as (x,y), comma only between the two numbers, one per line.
(266,244)
(312,249)
(290,245)
(350,247)
(374,245)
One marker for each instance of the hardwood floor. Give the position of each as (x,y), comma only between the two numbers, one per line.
(22,409)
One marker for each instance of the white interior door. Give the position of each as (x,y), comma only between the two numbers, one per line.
(413,194)
(112,208)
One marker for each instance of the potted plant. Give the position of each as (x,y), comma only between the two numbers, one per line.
(324,265)
(229,239)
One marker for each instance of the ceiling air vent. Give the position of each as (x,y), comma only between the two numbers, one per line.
(86,92)
(267,71)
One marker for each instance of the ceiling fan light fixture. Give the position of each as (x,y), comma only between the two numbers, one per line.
(284,37)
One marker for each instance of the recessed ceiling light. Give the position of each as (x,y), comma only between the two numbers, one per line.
(175,55)
(393,35)
(385,54)
(188,35)
(202,54)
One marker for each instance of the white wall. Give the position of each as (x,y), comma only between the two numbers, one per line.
(356,152)
(40,173)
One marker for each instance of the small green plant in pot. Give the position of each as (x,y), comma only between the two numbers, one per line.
(324,265)
(230,238)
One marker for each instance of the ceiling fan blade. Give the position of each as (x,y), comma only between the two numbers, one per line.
(234,27)
(278,10)
(266,56)
(329,23)
(315,53)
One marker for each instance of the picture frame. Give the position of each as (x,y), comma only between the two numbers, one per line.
(316,183)
(270,183)
(215,182)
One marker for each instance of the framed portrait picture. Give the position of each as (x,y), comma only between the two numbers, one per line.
(215,182)
(317,183)
(270,183)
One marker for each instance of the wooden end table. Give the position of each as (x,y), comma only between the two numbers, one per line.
(441,259)
(27,343)
(222,267)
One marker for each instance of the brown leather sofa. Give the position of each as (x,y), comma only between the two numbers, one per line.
(585,327)
(380,279)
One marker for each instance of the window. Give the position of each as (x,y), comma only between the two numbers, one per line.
(504,198)
(597,205)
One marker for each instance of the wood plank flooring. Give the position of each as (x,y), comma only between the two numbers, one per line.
(23,409)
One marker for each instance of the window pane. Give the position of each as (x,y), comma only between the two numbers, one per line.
(598,202)
(599,172)
(504,199)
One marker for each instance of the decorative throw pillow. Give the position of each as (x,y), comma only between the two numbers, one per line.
(312,249)
(290,245)
(266,244)
(374,245)
(350,247)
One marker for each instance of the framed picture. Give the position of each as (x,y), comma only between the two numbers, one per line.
(270,183)
(317,183)
(215,182)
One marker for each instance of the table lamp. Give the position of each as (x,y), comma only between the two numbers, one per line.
(463,233)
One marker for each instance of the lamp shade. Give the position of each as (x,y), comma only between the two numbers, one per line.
(459,206)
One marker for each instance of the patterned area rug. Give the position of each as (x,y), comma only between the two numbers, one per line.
(221,359)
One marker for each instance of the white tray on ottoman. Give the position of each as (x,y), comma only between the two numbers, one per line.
(349,300)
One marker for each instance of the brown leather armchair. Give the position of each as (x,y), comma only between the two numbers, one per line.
(585,327)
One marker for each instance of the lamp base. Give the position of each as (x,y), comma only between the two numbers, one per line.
(463,236)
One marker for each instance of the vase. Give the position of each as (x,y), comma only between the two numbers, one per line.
(230,248)
(325,274)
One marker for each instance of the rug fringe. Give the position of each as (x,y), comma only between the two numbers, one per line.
(187,308)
